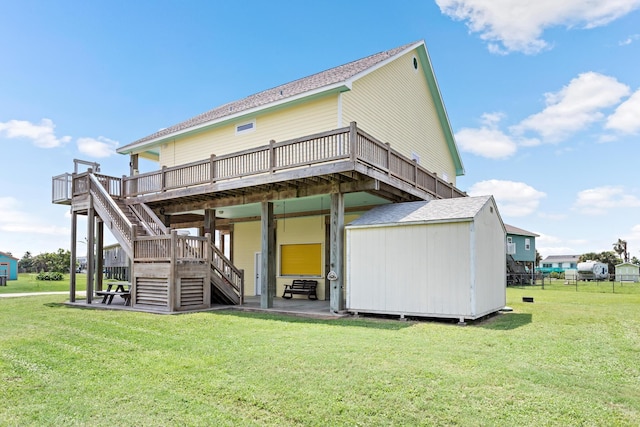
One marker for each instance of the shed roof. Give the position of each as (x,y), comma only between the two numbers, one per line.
(628,264)
(519,231)
(441,210)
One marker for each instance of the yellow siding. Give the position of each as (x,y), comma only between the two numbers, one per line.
(297,231)
(246,242)
(281,124)
(394,105)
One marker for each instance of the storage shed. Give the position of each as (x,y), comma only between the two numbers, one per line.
(441,258)
(8,267)
(627,272)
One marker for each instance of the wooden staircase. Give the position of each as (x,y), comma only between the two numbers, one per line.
(136,222)
(227,282)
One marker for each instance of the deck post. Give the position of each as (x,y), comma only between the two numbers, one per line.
(268,254)
(353,141)
(336,275)
(99,253)
(173,276)
(90,243)
(210,223)
(74,256)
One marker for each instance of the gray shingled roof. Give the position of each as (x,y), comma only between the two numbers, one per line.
(519,231)
(329,77)
(460,208)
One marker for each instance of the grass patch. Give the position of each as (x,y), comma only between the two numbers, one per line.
(27,282)
(567,359)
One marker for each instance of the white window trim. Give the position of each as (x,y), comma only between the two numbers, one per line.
(249,130)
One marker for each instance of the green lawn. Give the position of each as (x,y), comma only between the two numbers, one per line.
(569,358)
(27,282)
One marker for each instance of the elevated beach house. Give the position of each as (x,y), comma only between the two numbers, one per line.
(270,181)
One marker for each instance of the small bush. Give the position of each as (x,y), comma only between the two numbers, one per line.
(53,276)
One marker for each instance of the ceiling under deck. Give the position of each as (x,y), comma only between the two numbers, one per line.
(292,196)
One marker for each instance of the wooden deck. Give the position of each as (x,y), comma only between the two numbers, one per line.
(348,158)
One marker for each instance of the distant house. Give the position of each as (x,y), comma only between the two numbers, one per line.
(521,255)
(8,266)
(521,244)
(559,263)
(627,272)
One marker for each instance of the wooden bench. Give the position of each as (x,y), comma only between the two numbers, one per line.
(301,287)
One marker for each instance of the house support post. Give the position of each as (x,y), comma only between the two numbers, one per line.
(74,256)
(210,223)
(268,254)
(90,254)
(336,275)
(99,253)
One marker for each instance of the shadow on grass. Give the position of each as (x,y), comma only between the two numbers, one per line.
(55,304)
(507,321)
(369,322)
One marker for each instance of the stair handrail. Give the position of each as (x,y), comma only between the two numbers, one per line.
(149,219)
(117,218)
(229,272)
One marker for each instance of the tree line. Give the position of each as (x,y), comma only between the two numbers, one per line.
(58,262)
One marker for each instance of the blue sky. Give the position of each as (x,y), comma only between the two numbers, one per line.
(543,97)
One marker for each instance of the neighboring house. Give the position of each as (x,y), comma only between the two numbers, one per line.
(627,272)
(521,255)
(278,174)
(559,263)
(521,244)
(8,266)
(441,258)
(116,262)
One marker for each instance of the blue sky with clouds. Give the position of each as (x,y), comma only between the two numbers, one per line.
(543,97)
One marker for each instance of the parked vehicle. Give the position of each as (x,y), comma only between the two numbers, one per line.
(593,270)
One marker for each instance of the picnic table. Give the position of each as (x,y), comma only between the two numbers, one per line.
(122,289)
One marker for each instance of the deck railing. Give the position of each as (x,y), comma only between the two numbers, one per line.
(148,219)
(61,190)
(170,247)
(344,144)
(348,143)
(111,214)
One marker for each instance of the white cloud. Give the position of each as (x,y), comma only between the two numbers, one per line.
(626,118)
(15,219)
(97,147)
(489,141)
(517,25)
(574,107)
(513,198)
(597,201)
(485,142)
(41,134)
(629,40)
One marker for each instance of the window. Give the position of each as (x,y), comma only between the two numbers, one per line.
(509,239)
(527,244)
(301,260)
(246,127)
(547,265)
